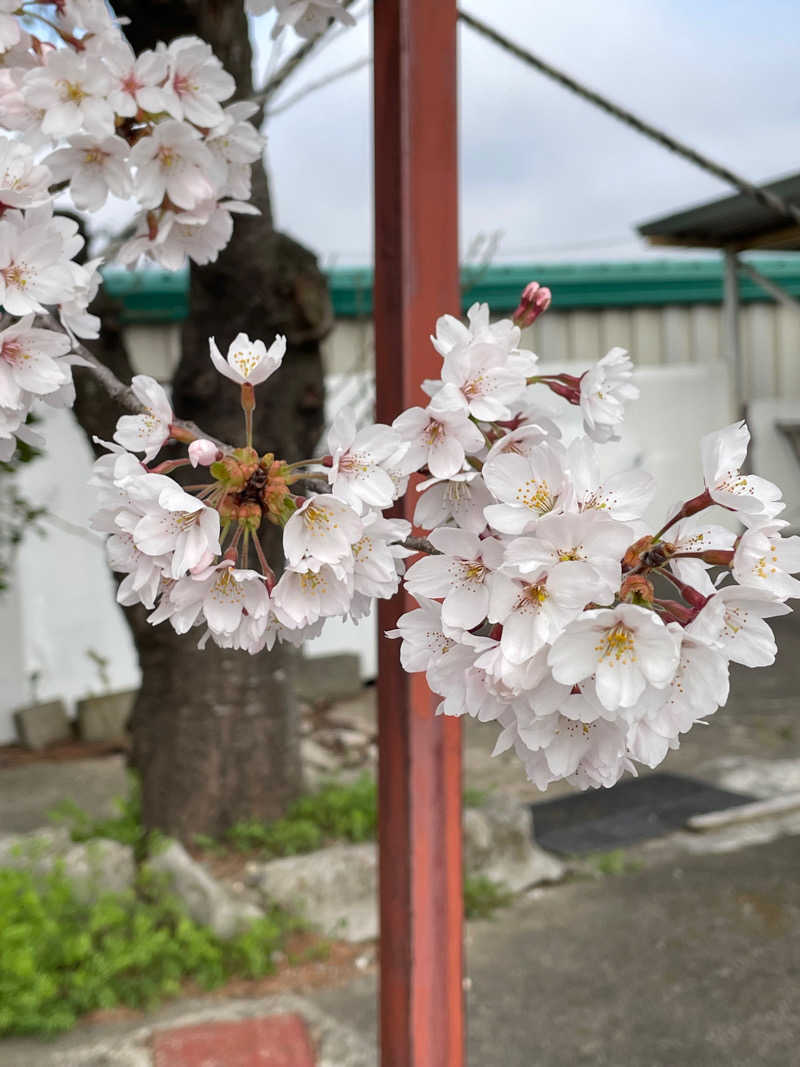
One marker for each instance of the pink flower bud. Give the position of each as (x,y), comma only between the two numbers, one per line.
(534,300)
(203,452)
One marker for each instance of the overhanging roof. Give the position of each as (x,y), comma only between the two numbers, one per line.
(735,222)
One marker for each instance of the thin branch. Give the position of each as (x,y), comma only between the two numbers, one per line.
(121,393)
(320,83)
(420,544)
(292,63)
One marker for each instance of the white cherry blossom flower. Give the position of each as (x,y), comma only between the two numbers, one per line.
(143,573)
(172,161)
(461,575)
(235,144)
(136,81)
(723,453)
(733,621)
(358,474)
(175,522)
(224,593)
(322,531)
(10,29)
(626,648)
(378,556)
(460,498)
(584,549)
(429,646)
(197,82)
(147,432)
(527,486)
(764,559)
(452,333)
(624,495)
(73,312)
(29,362)
(33,267)
(73,92)
(94,167)
(440,435)
(307,17)
(488,378)
(689,536)
(200,234)
(301,596)
(23,181)
(248,361)
(533,613)
(603,392)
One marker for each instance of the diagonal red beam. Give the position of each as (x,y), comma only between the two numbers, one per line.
(416,280)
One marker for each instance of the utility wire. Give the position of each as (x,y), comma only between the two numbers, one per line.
(761,196)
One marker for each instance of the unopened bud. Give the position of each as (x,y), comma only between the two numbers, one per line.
(203,453)
(634,553)
(636,589)
(534,300)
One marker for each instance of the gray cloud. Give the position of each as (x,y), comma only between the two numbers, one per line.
(546,168)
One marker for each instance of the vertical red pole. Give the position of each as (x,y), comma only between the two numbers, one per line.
(416,280)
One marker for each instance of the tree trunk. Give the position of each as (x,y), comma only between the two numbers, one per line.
(215,733)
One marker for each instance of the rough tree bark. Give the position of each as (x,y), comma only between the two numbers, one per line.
(215,734)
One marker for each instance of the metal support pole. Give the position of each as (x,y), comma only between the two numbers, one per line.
(777,292)
(416,280)
(733,339)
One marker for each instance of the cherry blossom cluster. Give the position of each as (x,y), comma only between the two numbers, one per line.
(546,603)
(549,607)
(308,18)
(186,550)
(86,115)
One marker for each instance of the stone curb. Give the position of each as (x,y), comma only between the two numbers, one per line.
(335,1045)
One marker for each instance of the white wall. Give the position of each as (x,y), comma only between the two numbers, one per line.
(61,601)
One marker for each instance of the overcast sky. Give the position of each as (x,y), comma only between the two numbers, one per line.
(561,179)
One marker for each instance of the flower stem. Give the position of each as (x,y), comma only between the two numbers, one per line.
(306,463)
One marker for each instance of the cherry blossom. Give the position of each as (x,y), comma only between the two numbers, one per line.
(527,486)
(248,361)
(764,559)
(196,83)
(625,648)
(73,93)
(461,498)
(723,453)
(603,392)
(23,181)
(461,575)
(94,168)
(177,523)
(733,621)
(149,431)
(321,531)
(29,362)
(440,435)
(302,596)
(136,80)
(360,458)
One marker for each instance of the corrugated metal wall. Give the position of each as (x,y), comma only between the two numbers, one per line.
(653,335)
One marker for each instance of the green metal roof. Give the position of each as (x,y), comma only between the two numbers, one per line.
(163,296)
(149,295)
(587,285)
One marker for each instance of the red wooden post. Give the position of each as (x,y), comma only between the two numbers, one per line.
(416,280)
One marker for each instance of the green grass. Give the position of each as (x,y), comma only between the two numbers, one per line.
(614,862)
(483,897)
(61,957)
